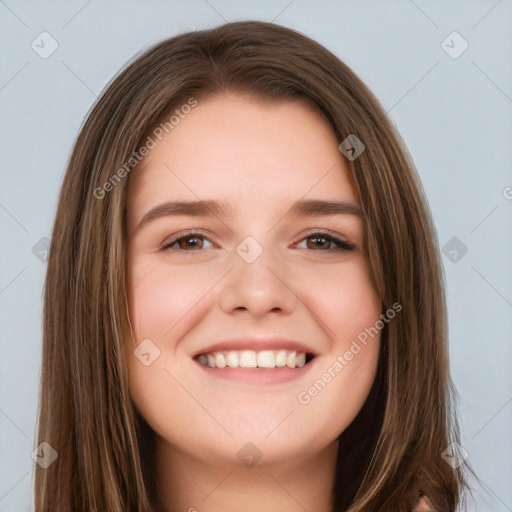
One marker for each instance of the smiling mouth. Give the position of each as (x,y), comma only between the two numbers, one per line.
(255,359)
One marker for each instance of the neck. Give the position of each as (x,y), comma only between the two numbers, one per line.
(189,484)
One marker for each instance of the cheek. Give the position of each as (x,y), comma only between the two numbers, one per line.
(162,296)
(349,309)
(347,303)
(164,301)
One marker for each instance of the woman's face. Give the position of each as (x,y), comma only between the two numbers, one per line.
(246,280)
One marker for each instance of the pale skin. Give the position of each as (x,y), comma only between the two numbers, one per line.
(259,158)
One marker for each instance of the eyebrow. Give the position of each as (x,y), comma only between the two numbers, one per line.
(209,207)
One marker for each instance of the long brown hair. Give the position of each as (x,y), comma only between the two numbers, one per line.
(393,449)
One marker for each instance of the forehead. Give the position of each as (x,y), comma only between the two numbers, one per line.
(240,148)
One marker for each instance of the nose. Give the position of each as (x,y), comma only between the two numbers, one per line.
(259,287)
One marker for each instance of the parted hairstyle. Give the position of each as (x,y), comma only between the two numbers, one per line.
(392,451)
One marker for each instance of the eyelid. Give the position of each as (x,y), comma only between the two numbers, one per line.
(183,234)
(329,234)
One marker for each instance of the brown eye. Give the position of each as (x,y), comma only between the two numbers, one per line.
(318,242)
(188,242)
(323,242)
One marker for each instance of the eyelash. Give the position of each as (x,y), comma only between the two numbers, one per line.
(340,244)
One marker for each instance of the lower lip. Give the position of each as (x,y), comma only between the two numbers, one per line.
(257,375)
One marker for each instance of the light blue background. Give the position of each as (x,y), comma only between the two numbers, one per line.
(454,115)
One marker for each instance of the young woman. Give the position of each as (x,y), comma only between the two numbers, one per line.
(244,304)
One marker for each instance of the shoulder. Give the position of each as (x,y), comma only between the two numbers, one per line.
(423,504)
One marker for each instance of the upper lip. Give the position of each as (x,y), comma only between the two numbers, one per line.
(257,344)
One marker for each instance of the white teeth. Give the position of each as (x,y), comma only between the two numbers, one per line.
(290,359)
(300,360)
(232,359)
(280,358)
(220,361)
(252,359)
(266,359)
(248,359)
